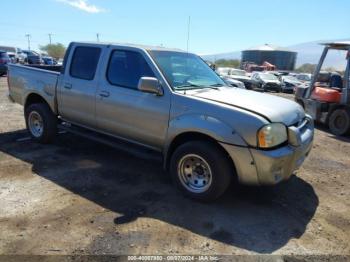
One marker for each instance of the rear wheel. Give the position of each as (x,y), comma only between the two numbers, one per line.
(201,170)
(41,122)
(339,122)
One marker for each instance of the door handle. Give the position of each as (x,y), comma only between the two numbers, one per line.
(104,94)
(67,86)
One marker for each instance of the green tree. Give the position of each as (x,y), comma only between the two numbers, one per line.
(227,63)
(55,50)
(306,68)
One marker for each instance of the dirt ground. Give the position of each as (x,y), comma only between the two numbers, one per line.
(80,197)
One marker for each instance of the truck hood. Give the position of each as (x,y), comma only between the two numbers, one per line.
(267,81)
(239,77)
(275,109)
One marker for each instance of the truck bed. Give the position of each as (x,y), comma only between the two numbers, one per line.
(24,80)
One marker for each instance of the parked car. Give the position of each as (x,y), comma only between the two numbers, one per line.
(223,71)
(266,82)
(32,57)
(233,82)
(241,76)
(48,60)
(4,60)
(171,103)
(289,83)
(305,78)
(14,53)
(60,62)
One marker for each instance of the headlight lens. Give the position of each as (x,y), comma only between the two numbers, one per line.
(272,135)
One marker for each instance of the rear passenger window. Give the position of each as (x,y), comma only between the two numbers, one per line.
(84,62)
(126,68)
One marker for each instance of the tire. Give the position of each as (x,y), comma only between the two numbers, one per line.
(40,115)
(339,122)
(208,158)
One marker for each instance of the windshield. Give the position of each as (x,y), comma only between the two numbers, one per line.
(238,72)
(304,77)
(268,77)
(32,53)
(185,71)
(290,78)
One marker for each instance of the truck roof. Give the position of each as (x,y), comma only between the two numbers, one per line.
(145,47)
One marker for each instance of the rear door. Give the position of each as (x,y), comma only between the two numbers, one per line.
(79,84)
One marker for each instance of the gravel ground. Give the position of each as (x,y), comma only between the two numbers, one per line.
(80,197)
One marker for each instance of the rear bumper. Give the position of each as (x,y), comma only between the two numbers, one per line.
(269,167)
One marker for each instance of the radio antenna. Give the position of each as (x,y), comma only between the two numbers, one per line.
(188,31)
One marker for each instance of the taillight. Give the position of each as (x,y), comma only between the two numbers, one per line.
(2,61)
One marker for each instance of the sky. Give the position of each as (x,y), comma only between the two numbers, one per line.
(215,26)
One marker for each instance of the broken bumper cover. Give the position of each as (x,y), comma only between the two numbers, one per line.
(269,167)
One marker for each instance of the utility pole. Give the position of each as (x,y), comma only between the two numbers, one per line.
(50,35)
(98,37)
(28,39)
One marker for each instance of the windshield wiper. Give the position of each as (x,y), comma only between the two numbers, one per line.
(193,86)
(187,87)
(217,85)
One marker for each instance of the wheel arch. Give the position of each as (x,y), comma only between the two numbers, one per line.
(34,98)
(185,137)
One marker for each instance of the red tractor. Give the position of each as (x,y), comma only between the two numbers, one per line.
(326,99)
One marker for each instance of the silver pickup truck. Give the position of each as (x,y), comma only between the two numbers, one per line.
(169,101)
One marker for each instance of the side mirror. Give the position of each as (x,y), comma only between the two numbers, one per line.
(150,85)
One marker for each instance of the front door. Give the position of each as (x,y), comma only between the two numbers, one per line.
(124,111)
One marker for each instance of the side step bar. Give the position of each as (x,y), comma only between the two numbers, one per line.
(130,148)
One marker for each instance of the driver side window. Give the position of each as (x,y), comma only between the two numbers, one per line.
(126,68)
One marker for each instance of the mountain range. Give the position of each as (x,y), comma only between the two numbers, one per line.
(308,52)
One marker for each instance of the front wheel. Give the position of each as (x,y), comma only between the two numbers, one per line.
(41,122)
(339,122)
(201,170)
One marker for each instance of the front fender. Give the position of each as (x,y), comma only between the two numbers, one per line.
(204,124)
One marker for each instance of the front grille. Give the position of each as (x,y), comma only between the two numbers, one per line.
(271,85)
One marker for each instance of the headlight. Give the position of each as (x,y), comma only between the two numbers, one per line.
(272,135)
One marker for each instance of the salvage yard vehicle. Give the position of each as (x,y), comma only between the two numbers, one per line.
(4,60)
(171,103)
(305,78)
(14,53)
(32,57)
(289,83)
(327,97)
(240,75)
(233,82)
(265,82)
